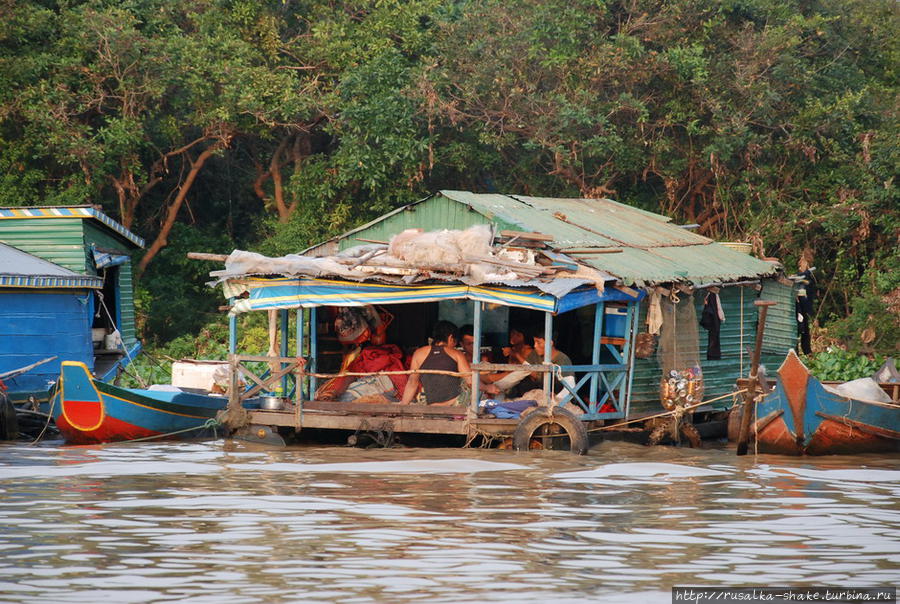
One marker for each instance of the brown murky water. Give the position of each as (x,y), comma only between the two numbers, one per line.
(223,522)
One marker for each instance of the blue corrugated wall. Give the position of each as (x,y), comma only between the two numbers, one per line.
(34,326)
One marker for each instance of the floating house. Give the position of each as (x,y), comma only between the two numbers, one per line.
(624,292)
(65,292)
(639,250)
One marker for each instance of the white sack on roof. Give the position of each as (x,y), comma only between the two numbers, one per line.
(440,247)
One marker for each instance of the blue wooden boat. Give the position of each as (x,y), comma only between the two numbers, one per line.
(802,417)
(88,411)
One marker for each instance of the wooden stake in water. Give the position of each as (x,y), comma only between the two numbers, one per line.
(753,382)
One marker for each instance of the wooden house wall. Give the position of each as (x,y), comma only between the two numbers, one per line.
(37,324)
(59,240)
(737,338)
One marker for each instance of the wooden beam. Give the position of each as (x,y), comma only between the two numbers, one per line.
(205,256)
(527,235)
(627,290)
(592,250)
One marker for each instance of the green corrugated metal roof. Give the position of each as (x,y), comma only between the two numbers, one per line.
(653,249)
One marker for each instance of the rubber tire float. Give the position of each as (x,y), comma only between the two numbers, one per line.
(555,418)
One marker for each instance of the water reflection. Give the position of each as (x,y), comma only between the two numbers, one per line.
(215,522)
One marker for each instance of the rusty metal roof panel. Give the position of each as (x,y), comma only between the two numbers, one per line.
(653,249)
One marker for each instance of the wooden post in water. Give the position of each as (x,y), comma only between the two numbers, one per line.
(753,382)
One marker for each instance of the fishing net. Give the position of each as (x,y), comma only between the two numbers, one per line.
(679,352)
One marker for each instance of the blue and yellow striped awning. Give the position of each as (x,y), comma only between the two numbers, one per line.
(282,293)
(51,282)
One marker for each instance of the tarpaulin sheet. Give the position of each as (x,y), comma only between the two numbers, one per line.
(262,294)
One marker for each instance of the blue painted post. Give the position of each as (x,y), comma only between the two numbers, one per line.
(300,336)
(476,356)
(548,351)
(313,350)
(284,348)
(599,309)
(628,353)
(232,330)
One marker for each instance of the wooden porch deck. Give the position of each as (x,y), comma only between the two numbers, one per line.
(422,419)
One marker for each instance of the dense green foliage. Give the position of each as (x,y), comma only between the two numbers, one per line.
(271,125)
(838,365)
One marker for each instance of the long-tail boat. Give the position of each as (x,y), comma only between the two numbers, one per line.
(801,417)
(88,411)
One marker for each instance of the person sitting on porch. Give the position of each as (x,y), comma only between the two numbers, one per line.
(535,380)
(441,355)
(467,344)
(520,345)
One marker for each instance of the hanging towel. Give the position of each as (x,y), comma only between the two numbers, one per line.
(654,313)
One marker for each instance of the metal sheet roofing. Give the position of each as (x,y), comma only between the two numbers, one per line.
(49,212)
(20,269)
(653,250)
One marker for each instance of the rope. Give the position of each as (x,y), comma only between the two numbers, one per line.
(672,412)
(119,333)
(678,412)
(46,425)
(210,423)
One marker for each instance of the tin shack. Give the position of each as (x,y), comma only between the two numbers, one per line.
(66,289)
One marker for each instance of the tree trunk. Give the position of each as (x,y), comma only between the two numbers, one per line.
(172,211)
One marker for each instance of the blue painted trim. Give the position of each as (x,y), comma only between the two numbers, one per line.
(48,282)
(633,310)
(548,349)
(476,355)
(313,350)
(590,295)
(284,348)
(595,354)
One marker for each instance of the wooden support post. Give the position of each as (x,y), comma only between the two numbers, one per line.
(232,332)
(548,352)
(313,350)
(599,309)
(300,337)
(476,358)
(283,349)
(634,309)
(753,383)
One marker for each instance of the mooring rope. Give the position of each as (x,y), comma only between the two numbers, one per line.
(210,423)
(678,410)
(46,424)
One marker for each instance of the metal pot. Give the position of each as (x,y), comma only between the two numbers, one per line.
(271,403)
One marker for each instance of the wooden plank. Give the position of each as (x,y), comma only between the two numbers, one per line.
(205,256)
(335,421)
(583,251)
(526,235)
(383,409)
(627,290)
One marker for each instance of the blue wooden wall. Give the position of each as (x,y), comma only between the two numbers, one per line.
(35,325)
